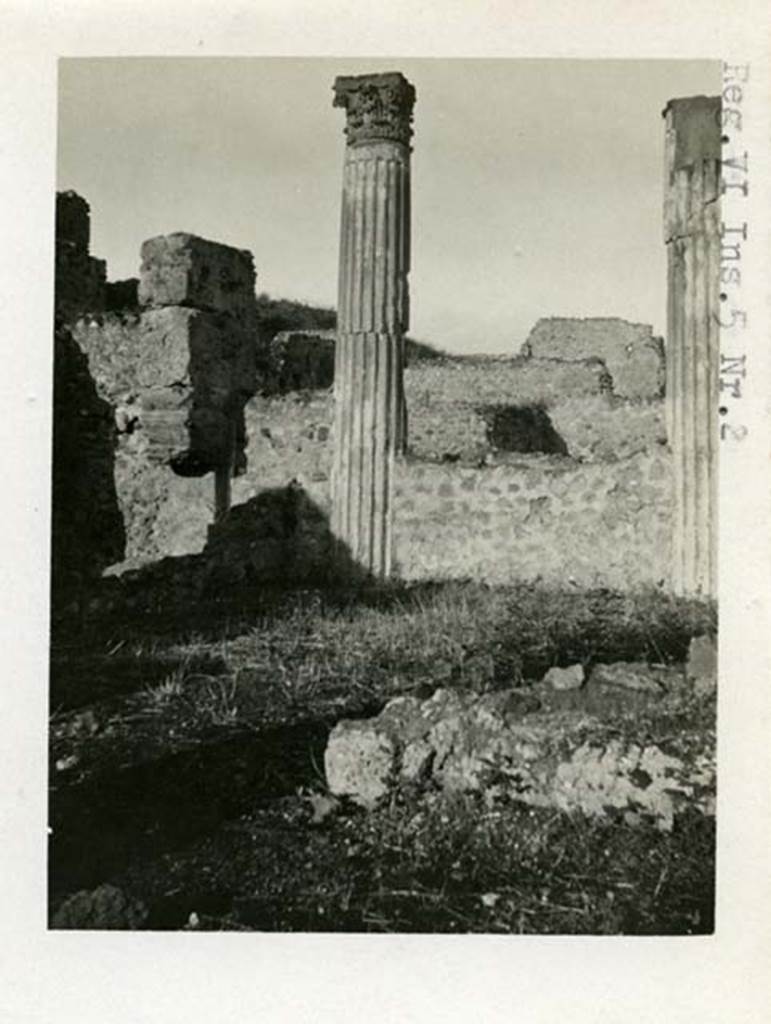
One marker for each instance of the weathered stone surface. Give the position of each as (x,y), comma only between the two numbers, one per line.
(633,356)
(183,270)
(499,380)
(696,258)
(536,518)
(701,667)
(378,107)
(637,675)
(570,678)
(564,759)
(359,764)
(182,375)
(605,428)
(104,909)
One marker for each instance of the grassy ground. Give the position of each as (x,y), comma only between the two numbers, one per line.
(186,762)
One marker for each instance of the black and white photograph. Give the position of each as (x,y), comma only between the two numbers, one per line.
(384,516)
(398,412)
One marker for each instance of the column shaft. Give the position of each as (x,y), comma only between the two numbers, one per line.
(692,232)
(373,314)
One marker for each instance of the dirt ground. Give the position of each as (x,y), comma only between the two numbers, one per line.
(186,754)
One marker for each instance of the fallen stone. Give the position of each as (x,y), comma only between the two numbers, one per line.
(359,763)
(630,675)
(106,908)
(570,678)
(701,666)
(462,742)
(183,270)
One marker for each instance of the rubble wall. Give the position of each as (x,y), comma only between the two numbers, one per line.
(541,518)
(599,515)
(634,357)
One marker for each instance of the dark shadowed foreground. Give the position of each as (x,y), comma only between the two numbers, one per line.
(187,787)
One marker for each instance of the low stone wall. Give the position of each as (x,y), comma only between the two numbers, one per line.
(541,518)
(488,380)
(591,428)
(599,523)
(604,428)
(288,438)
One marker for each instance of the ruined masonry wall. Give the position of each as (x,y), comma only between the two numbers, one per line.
(634,357)
(597,522)
(541,518)
(146,405)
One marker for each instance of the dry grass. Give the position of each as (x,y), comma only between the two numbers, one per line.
(160,686)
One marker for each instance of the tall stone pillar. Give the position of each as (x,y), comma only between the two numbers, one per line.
(692,234)
(372,313)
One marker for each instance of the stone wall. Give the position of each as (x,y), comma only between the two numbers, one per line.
(539,518)
(551,465)
(462,409)
(598,515)
(634,358)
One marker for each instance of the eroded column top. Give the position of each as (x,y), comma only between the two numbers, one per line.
(695,124)
(378,107)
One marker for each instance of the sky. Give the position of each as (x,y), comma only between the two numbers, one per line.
(537,186)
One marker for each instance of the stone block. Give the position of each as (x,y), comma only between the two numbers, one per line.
(635,359)
(193,441)
(183,270)
(570,678)
(184,373)
(638,676)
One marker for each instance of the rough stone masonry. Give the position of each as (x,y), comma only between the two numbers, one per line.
(199,351)
(146,400)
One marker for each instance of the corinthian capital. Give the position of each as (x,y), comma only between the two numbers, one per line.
(378,107)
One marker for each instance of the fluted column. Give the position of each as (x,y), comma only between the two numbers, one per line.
(692,234)
(372,313)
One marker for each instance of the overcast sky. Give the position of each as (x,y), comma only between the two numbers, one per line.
(537,185)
